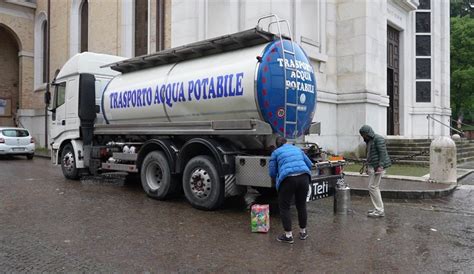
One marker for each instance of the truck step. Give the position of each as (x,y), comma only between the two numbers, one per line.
(125,156)
(119,167)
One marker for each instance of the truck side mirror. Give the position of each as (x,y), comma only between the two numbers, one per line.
(47,96)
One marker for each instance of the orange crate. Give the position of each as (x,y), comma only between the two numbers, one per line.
(336,158)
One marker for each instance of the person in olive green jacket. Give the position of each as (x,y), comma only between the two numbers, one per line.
(377,162)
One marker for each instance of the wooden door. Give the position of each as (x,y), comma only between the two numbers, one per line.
(393,81)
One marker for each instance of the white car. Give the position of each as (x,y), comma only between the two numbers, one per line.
(16,141)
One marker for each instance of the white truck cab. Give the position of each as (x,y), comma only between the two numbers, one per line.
(65,124)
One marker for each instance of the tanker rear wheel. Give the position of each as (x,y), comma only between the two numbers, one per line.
(155,174)
(202,185)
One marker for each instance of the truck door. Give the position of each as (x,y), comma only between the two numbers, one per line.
(58,123)
(72,103)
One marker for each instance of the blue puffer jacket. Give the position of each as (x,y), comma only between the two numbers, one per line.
(287,160)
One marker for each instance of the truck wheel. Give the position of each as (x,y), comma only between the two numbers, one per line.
(202,185)
(68,163)
(156,177)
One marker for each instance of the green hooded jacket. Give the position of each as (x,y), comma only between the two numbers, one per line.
(376,150)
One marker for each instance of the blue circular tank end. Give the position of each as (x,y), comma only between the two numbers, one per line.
(289,116)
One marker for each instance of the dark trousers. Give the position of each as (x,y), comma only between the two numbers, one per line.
(293,186)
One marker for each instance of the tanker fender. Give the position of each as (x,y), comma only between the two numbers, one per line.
(220,151)
(77,145)
(166,146)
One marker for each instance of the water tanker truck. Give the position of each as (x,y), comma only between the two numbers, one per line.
(200,118)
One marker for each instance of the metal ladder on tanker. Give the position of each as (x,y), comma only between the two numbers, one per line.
(286,68)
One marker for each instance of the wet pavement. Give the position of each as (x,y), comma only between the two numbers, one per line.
(48,223)
(410,187)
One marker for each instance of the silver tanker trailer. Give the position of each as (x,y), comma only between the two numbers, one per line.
(201,118)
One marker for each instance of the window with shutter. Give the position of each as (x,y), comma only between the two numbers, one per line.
(141,27)
(423,52)
(160,25)
(84,26)
(310,27)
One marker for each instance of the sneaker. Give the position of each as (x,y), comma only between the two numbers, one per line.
(283,239)
(371,211)
(376,214)
(303,236)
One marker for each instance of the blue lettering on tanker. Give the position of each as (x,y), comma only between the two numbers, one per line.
(172,93)
(289,111)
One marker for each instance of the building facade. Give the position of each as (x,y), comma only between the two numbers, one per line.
(379,62)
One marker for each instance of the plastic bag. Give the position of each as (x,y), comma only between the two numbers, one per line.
(260,218)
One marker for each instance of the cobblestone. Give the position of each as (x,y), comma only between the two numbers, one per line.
(27,252)
(50,224)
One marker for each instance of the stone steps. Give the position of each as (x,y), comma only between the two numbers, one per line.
(466,159)
(399,154)
(415,158)
(407,141)
(406,151)
(403,148)
(413,163)
(427,162)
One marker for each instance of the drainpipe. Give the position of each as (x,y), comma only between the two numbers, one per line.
(148,42)
(47,76)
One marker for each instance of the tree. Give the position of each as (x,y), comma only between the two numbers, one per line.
(462,67)
(462,8)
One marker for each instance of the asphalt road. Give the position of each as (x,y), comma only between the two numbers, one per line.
(48,223)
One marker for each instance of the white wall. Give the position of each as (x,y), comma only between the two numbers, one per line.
(361,70)
(346,41)
(439,107)
(38,58)
(33,120)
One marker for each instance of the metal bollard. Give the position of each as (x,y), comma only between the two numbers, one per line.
(342,199)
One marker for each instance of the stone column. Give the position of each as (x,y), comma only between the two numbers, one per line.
(361,69)
(28,99)
(31,112)
(443,160)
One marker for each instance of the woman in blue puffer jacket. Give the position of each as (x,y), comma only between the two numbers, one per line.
(291,169)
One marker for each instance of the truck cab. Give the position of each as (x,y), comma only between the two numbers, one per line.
(68,88)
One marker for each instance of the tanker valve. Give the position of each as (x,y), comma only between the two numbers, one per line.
(126,149)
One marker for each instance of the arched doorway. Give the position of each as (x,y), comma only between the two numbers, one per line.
(9,77)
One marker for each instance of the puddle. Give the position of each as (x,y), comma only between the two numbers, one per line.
(116,179)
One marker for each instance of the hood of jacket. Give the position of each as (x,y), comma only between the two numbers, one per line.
(366,129)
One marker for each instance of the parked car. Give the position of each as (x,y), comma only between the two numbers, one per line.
(16,141)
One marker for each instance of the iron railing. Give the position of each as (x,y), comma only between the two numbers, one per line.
(459,122)
(429,116)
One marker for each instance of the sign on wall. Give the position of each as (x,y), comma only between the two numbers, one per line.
(5,107)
